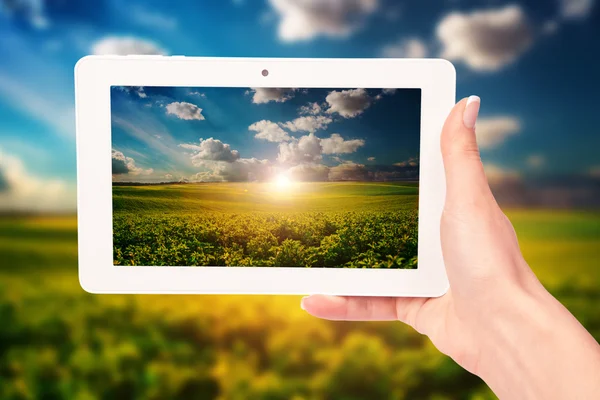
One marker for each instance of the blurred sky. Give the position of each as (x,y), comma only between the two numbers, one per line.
(535,64)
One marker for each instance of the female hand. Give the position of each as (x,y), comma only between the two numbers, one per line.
(496,321)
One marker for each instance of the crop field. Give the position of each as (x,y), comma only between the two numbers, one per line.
(351,225)
(56,341)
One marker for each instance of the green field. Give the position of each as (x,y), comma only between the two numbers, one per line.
(57,341)
(352,225)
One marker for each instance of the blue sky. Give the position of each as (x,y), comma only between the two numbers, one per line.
(239,134)
(533,63)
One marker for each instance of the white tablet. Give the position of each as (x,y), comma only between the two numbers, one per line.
(273,176)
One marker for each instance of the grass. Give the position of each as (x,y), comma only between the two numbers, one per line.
(347,224)
(253,197)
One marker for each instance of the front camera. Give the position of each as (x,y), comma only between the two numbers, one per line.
(265,72)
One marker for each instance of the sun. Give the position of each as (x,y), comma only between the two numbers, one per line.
(282,182)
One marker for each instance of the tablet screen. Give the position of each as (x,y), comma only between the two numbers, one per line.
(265,177)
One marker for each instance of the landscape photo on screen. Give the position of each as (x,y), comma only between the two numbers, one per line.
(265,177)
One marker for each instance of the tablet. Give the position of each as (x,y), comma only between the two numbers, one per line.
(261,176)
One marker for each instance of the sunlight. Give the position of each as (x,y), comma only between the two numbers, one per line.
(282,182)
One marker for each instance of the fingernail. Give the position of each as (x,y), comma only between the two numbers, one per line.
(302,302)
(471,111)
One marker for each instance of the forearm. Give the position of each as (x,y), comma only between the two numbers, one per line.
(537,349)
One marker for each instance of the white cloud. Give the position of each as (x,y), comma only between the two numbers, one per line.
(576,9)
(307,149)
(307,19)
(535,160)
(126,45)
(211,150)
(335,144)
(122,165)
(168,176)
(411,162)
(310,109)
(240,170)
(485,40)
(371,159)
(265,95)
(497,175)
(493,131)
(196,93)
(184,110)
(348,171)
(269,131)
(19,190)
(308,123)
(406,48)
(309,172)
(348,103)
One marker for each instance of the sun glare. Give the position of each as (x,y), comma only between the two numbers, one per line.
(282,182)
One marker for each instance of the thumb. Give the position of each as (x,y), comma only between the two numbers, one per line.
(466,183)
(478,241)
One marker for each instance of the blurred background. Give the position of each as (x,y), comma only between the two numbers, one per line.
(533,63)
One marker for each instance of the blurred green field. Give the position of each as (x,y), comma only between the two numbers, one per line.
(316,224)
(56,341)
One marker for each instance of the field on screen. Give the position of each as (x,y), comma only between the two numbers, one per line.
(278,224)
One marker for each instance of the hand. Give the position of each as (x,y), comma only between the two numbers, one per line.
(496,321)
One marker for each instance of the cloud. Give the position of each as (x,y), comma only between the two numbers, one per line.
(309,172)
(411,162)
(348,172)
(498,175)
(184,110)
(196,93)
(371,159)
(168,176)
(211,150)
(310,109)
(240,170)
(335,144)
(485,40)
(122,165)
(265,95)
(306,19)
(576,9)
(269,131)
(126,45)
(535,161)
(20,190)
(307,149)
(348,103)
(493,131)
(137,90)
(308,123)
(406,48)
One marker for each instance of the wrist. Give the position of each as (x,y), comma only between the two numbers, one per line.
(534,348)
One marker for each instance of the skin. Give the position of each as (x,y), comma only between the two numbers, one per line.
(497,320)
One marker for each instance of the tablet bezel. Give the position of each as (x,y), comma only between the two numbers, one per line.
(94,75)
